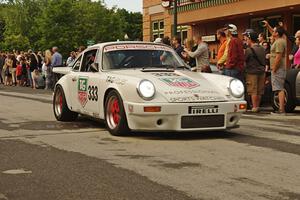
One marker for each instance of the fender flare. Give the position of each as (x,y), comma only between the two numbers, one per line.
(66,90)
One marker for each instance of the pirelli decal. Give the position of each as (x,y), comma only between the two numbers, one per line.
(196,110)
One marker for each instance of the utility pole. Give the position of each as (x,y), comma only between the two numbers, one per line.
(175,18)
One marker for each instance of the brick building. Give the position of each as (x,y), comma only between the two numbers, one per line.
(206,16)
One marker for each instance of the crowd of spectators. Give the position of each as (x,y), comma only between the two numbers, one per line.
(32,69)
(250,58)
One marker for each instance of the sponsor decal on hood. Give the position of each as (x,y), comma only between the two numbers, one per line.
(182,82)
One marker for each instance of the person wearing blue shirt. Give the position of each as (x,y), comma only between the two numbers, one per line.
(56,58)
(56,61)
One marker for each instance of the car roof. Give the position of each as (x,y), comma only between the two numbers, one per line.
(101,45)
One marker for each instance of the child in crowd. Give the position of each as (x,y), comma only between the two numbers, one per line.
(19,74)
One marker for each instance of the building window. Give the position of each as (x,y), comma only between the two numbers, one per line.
(257,25)
(157,29)
(296,23)
(182,32)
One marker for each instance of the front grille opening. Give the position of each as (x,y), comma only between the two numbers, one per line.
(203,121)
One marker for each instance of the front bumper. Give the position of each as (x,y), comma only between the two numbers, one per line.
(184,116)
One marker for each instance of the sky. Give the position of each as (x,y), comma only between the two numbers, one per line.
(130,5)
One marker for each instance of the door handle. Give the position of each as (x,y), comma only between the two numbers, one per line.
(74,79)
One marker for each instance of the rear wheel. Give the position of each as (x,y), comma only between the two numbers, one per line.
(115,117)
(60,107)
(289,100)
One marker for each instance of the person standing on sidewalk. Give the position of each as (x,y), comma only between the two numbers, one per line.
(223,49)
(297,54)
(33,65)
(56,61)
(56,58)
(235,61)
(8,69)
(48,70)
(2,61)
(255,69)
(262,38)
(176,43)
(200,54)
(13,70)
(278,66)
(189,44)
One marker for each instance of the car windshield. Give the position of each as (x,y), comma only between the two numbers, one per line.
(156,57)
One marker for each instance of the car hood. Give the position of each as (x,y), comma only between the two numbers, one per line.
(178,85)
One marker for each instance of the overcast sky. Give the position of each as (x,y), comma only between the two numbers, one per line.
(131,5)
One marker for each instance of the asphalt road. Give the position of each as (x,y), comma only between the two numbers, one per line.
(41,158)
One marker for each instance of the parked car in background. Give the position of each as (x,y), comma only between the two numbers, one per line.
(292,91)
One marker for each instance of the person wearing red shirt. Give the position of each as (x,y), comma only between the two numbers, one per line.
(236,59)
(19,73)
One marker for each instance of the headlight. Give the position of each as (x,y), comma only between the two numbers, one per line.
(236,88)
(146,89)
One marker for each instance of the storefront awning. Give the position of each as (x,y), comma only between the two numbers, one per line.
(187,5)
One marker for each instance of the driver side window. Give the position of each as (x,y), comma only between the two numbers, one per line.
(76,65)
(89,58)
(167,59)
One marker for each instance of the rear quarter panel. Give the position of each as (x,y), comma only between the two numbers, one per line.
(63,82)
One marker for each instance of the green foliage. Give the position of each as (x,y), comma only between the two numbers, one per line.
(16,42)
(133,24)
(68,24)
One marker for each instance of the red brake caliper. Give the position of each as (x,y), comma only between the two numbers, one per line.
(60,102)
(115,111)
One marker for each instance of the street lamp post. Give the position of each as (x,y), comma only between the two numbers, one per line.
(175,18)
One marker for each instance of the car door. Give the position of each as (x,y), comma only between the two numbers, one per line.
(73,84)
(86,85)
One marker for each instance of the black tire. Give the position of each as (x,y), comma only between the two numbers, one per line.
(60,107)
(115,119)
(290,104)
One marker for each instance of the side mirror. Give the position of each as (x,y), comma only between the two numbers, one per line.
(95,67)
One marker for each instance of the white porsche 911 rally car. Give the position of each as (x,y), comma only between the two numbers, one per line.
(145,87)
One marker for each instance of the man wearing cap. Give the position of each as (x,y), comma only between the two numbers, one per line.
(255,68)
(235,53)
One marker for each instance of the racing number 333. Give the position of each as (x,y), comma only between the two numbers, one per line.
(93,93)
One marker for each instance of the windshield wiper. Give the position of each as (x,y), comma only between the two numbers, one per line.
(184,67)
(159,66)
(168,68)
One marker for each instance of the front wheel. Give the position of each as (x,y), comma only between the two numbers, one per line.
(60,107)
(289,100)
(115,117)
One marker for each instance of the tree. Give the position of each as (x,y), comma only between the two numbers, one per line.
(133,23)
(41,24)
(16,42)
